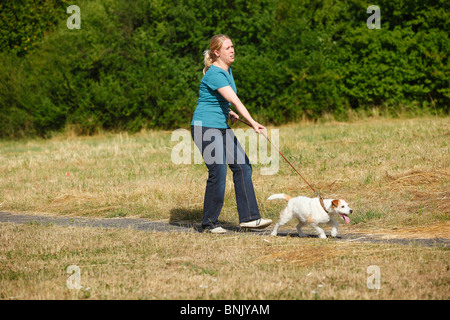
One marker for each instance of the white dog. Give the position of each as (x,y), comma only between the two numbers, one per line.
(309,210)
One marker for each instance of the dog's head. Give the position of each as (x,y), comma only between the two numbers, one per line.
(340,206)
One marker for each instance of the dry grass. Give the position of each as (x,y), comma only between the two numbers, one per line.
(394,173)
(391,171)
(430,231)
(126,264)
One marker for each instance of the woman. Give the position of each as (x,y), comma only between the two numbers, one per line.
(217,143)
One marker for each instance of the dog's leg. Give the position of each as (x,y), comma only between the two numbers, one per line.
(334,227)
(275,230)
(319,231)
(299,229)
(285,216)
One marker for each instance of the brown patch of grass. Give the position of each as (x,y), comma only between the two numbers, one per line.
(431,231)
(301,256)
(426,188)
(417,177)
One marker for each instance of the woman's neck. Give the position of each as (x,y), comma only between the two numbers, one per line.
(222,65)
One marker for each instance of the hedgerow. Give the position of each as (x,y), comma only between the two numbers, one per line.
(137,64)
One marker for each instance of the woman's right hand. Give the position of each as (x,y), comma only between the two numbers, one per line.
(257,127)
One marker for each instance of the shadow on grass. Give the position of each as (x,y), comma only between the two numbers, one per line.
(186,218)
(192,218)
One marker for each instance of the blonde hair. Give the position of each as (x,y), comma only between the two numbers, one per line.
(214,44)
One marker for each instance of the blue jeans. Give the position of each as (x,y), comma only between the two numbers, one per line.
(219,148)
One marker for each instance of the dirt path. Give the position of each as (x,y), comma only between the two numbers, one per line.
(163,226)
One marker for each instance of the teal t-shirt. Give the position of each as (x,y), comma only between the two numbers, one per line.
(212,109)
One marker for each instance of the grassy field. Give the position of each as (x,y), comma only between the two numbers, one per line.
(394,173)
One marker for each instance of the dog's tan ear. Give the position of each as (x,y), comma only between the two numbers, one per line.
(335,203)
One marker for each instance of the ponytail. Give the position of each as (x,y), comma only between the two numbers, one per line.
(214,44)
(209,59)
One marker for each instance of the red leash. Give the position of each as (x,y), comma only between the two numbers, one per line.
(273,145)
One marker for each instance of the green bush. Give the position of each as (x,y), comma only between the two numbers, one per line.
(137,64)
(24,23)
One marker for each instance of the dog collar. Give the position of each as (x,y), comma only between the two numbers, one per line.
(323,205)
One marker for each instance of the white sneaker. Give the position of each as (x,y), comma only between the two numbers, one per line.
(217,230)
(256,224)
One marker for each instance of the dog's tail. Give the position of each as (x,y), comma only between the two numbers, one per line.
(280,196)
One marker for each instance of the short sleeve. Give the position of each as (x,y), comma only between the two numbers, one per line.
(216,80)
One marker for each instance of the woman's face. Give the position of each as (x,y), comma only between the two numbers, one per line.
(226,52)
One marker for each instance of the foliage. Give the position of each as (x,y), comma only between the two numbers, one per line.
(25,23)
(137,64)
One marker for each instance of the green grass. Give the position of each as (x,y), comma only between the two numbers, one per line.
(367,215)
